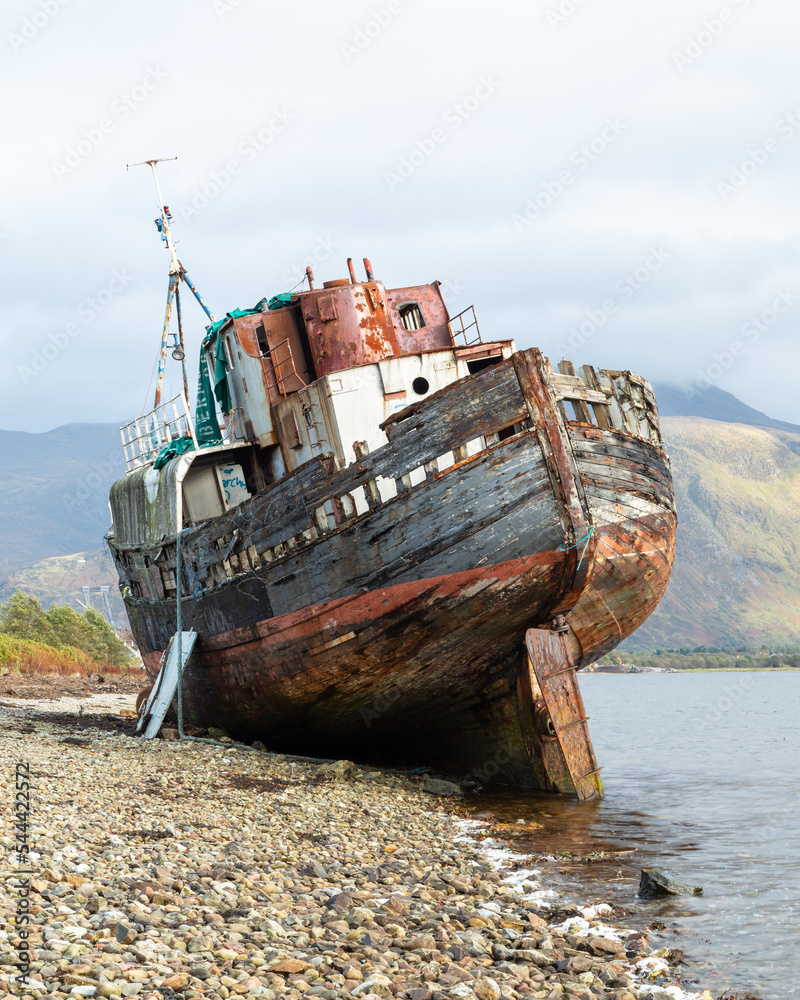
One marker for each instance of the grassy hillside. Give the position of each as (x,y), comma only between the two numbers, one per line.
(737,570)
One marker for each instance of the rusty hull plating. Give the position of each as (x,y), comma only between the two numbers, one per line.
(415,509)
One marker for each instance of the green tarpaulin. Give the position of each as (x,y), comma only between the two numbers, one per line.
(279,301)
(206,423)
(177,447)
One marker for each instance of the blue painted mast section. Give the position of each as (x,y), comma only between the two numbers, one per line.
(197,295)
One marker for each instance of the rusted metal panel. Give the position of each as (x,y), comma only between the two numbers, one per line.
(362,332)
(435,335)
(561,717)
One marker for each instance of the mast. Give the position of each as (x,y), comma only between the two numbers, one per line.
(177,273)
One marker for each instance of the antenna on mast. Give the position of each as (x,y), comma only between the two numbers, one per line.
(177,273)
(163,222)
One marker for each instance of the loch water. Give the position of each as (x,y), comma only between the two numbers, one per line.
(702,778)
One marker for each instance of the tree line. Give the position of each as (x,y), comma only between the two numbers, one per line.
(62,628)
(712,658)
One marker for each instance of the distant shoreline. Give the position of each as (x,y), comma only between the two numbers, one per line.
(695,670)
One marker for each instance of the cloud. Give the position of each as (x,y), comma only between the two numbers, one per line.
(213,81)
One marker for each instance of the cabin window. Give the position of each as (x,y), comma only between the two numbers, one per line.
(261,338)
(420,385)
(228,348)
(411,316)
(480,364)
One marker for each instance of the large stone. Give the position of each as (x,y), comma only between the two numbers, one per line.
(486,989)
(654,882)
(176,982)
(435,786)
(340,902)
(579,964)
(108,990)
(124,934)
(376,984)
(606,946)
(291,965)
(313,869)
(342,769)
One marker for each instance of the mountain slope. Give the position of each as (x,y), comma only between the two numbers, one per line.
(737,569)
(55,495)
(713,404)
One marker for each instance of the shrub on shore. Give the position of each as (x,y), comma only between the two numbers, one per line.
(59,640)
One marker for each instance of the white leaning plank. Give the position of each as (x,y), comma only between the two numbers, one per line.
(165,686)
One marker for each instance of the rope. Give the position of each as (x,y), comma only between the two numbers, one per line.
(574,545)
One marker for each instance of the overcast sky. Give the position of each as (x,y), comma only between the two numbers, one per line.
(612,180)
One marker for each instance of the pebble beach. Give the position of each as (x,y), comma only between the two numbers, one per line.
(189,870)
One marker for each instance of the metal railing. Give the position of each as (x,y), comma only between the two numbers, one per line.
(144,437)
(461,324)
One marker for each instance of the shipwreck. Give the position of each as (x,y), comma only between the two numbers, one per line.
(393,539)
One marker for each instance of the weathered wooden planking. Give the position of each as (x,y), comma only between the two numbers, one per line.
(629,475)
(611,454)
(602,492)
(616,442)
(461,412)
(571,387)
(457,414)
(499,506)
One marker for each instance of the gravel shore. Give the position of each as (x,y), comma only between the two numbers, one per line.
(184,870)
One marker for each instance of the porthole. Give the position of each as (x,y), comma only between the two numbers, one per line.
(420,385)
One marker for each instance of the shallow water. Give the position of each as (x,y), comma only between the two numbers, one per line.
(702,778)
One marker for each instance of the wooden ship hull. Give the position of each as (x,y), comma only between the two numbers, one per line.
(374,603)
